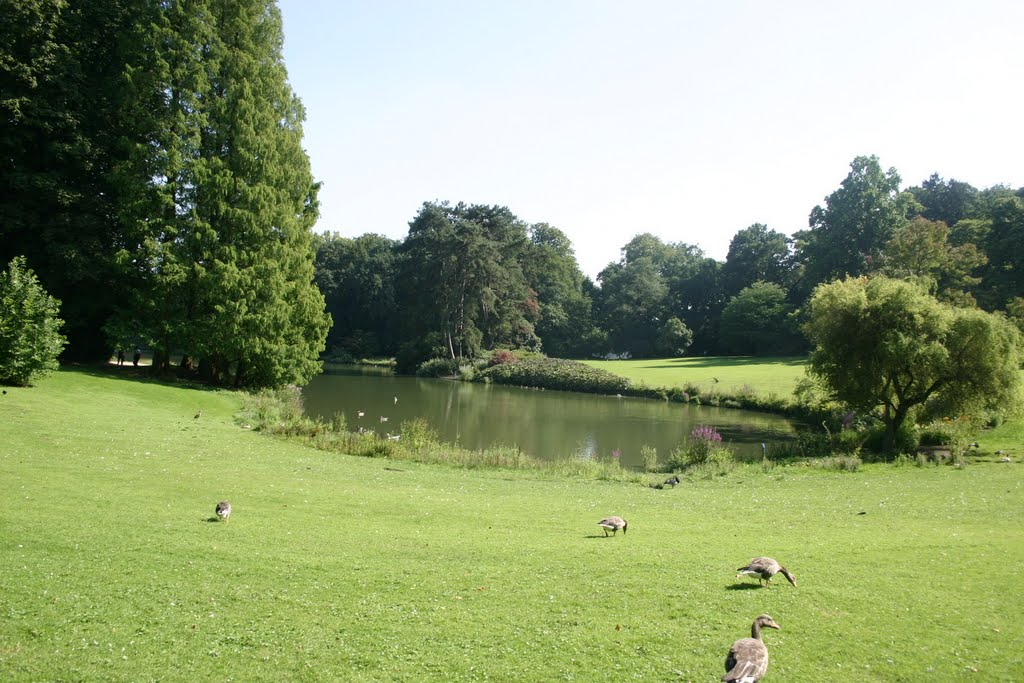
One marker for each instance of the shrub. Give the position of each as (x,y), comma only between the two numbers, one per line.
(339,354)
(556,373)
(438,367)
(703,446)
(502,356)
(417,434)
(30,338)
(649,458)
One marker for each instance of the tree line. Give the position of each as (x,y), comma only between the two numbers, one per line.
(471,278)
(154,179)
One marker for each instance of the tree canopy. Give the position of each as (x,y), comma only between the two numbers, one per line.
(887,348)
(160,183)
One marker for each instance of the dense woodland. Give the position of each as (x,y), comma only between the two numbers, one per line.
(471,278)
(153,177)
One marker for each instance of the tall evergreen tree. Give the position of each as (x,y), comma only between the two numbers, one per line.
(223,258)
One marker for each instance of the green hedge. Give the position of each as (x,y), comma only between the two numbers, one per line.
(556,373)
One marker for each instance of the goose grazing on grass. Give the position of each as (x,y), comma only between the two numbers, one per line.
(224,510)
(747,660)
(613,524)
(764,568)
(672,481)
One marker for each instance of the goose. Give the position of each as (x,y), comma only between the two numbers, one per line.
(197,415)
(613,524)
(747,660)
(764,568)
(223,510)
(672,481)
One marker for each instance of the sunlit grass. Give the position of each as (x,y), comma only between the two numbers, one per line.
(777,375)
(335,567)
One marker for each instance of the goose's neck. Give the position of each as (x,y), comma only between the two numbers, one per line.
(755,631)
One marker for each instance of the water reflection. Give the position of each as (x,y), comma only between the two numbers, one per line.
(544,424)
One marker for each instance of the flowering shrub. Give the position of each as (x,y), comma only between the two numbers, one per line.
(502,356)
(703,446)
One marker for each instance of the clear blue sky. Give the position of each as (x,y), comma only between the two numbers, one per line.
(689,120)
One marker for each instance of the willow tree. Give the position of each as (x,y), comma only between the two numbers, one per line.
(886,348)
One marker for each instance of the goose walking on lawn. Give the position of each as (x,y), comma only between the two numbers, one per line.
(613,524)
(764,568)
(224,510)
(747,660)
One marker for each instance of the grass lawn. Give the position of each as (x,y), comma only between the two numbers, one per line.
(354,569)
(765,375)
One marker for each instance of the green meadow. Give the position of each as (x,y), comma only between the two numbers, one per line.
(764,375)
(334,567)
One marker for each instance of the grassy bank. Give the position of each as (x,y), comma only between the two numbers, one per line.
(727,374)
(361,569)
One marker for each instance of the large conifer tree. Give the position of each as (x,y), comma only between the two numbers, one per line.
(224,261)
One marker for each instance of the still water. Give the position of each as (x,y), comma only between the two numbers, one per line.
(544,424)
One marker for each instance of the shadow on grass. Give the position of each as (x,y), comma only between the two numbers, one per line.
(212,520)
(599,536)
(131,373)
(743,587)
(731,362)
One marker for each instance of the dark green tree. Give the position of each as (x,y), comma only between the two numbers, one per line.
(756,254)
(70,81)
(463,285)
(920,251)
(675,338)
(759,321)
(30,338)
(1003,276)
(565,324)
(357,278)
(695,294)
(949,201)
(848,234)
(634,296)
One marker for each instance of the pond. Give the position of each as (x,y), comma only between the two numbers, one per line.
(544,424)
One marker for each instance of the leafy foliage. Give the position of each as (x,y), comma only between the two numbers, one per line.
(554,373)
(885,347)
(703,447)
(30,338)
(848,235)
(759,320)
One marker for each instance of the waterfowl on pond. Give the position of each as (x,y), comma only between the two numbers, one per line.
(747,660)
(223,510)
(613,524)
(764,568)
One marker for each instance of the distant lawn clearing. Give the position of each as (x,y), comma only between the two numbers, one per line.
(356,569)
(766,375)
